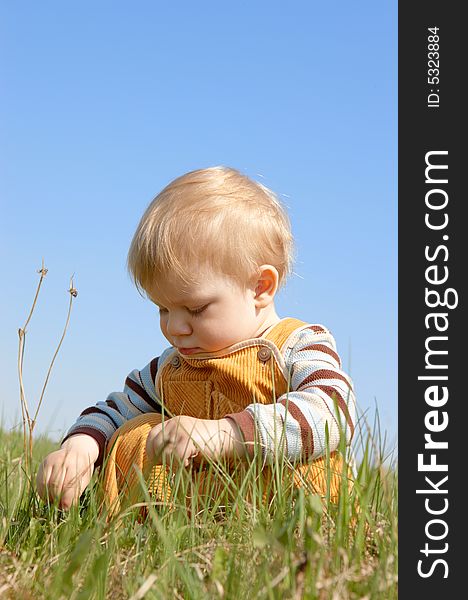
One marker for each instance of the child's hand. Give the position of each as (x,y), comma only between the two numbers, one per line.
(65,473)
(185,437)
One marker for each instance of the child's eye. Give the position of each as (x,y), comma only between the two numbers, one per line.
(194,312)
(197,311)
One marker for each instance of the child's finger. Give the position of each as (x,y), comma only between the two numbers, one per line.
(55,481)
(43,475)
(152,442)
(70,490)
(185,450)
(192,455)
(46,477)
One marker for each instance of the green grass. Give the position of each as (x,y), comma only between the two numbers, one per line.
(295,547)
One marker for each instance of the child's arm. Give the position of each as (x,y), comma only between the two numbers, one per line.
(65,473)
(321,398)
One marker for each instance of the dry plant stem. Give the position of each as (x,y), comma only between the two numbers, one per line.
(22,340)
(32,422)
(28,423)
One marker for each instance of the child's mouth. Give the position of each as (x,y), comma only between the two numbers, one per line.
(188,350)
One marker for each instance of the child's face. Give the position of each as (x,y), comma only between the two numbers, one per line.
(207,317)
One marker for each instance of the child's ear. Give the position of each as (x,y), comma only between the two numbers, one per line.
(266,286)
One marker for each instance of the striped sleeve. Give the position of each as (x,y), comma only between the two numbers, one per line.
(103,419)
(321,397)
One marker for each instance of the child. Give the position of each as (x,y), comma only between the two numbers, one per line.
(211,251)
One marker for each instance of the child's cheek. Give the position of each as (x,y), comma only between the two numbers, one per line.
(212,335)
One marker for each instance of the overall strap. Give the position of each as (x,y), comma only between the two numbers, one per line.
(282,330)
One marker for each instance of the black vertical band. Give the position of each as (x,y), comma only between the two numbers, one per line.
(433,252)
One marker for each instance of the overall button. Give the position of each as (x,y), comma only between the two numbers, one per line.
(175,362)
(264,354)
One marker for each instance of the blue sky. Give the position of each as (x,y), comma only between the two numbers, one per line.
(104,103)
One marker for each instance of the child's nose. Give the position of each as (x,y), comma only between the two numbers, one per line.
(178,325)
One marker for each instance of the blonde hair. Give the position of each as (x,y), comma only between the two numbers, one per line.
(215,217)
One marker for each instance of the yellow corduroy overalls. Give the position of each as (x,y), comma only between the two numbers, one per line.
(211,388)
